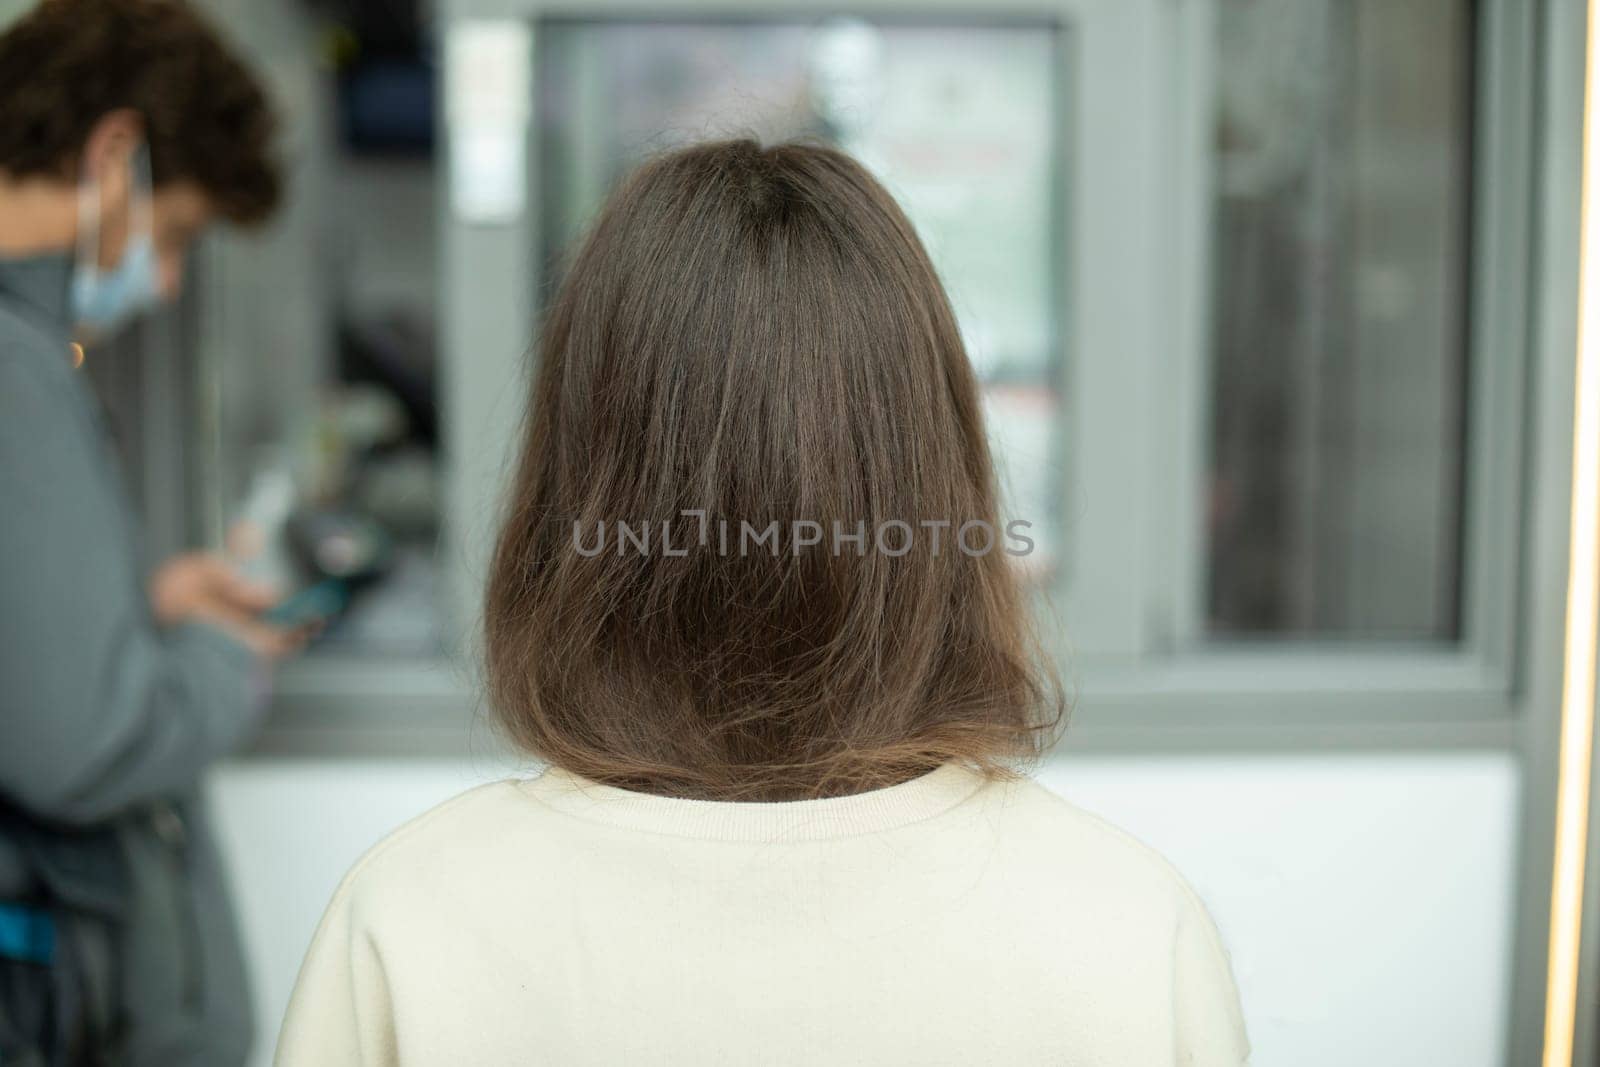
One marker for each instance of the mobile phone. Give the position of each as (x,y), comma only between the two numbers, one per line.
(314,603)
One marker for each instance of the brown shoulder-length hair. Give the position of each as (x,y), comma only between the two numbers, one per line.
(728,568)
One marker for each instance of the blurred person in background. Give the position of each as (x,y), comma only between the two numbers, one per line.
(786,818)
(126,128)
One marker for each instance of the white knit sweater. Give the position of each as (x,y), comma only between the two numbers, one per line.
(945,920)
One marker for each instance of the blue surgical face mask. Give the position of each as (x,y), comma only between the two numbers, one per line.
(104,299)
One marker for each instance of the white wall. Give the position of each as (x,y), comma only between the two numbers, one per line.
(1366,898)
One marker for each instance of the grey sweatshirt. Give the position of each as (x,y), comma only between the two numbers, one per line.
(106,719)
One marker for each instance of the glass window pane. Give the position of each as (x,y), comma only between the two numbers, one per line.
(959,120)
(1338,318)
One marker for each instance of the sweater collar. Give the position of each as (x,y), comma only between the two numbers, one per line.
(38,287)
(776,822)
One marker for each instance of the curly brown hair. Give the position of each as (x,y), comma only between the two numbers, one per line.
(207,120)
(757,334)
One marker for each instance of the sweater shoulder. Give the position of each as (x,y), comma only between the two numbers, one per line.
(30,354)
(426,842)
(1050,838)
(1067,834)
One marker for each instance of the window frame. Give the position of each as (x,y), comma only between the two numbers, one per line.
(1135,112)
(1189,691)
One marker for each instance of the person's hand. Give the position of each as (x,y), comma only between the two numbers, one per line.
(202,587)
